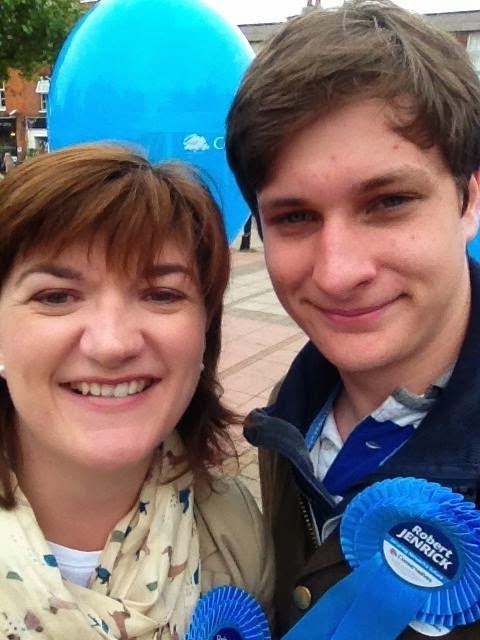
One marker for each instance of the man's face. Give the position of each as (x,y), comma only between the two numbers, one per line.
(365,244)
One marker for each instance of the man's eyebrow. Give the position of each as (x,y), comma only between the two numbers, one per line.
(416,175)
(282,202)
(67,273)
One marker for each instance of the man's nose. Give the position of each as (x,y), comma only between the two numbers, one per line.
(344,258)
(112,333)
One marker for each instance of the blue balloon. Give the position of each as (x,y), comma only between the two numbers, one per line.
(160,74)
(474,247)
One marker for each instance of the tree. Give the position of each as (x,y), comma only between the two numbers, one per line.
(32,32)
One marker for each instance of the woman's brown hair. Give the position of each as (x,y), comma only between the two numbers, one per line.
(80,193)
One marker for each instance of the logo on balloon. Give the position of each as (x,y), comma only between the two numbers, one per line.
(195,143)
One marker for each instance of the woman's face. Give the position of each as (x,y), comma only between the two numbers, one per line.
(100,366)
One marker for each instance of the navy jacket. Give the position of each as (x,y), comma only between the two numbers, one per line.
(444,448)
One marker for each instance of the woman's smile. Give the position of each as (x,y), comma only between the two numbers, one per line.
(111,389)
(112,399)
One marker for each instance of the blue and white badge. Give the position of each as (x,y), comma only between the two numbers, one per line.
(428,536)
(228,613)
(420,554)
(415,550)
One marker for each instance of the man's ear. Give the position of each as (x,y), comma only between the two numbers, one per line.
(471,207)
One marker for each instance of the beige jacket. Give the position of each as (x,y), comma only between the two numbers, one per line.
(234,547)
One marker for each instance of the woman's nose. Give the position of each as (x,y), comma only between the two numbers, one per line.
(112,333)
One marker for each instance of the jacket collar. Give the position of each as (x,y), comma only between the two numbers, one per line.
(447,441)
(445,446)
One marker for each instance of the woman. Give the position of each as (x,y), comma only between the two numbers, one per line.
(111,524)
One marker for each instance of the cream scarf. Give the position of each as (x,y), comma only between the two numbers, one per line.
(147,583)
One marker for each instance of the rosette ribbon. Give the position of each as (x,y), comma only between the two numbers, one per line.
(228,613)
(414,547)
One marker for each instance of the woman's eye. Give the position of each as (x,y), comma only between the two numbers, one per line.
(55,297)
(165,296)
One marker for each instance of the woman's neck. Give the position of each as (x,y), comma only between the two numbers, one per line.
(78,507)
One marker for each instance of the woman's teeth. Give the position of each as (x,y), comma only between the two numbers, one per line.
(121,390)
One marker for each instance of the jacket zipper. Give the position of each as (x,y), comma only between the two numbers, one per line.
(307,516)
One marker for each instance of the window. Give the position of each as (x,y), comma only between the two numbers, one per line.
(43,101)
(473,48)
(43,87)
(3,101)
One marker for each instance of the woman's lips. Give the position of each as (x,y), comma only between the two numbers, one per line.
(110,405)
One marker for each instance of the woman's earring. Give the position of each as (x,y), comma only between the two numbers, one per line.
(202,367)
(2,369)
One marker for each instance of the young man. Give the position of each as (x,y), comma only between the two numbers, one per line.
(355,138)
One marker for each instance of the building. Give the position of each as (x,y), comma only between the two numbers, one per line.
(258,34)
(23,111)
(465,26)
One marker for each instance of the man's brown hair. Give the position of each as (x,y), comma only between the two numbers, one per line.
(364,49)
(91,191)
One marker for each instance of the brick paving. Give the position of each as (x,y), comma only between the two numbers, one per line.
(259,342)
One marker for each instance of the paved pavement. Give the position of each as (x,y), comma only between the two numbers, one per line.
(259,343)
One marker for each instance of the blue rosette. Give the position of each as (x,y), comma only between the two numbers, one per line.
(228,613)
(414,547)
(428,537)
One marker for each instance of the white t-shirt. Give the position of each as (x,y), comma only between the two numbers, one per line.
(75,566)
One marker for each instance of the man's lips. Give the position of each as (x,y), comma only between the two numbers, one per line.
(355,312)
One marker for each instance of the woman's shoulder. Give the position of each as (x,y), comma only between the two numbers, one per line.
(230,494)
(234,547)
(227,511)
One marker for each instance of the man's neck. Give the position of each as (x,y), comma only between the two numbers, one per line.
(365,391)
(362,395)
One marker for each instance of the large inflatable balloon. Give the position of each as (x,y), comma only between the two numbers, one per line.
(160,74)
(474,247)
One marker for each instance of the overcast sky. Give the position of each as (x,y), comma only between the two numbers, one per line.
(245,11)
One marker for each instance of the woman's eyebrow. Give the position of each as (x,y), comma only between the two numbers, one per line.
(51,269)
(166,269)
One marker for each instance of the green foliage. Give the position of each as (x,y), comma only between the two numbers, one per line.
(32,32)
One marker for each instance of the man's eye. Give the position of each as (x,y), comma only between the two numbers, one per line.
(294,217)
(55,297)
(393,201)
